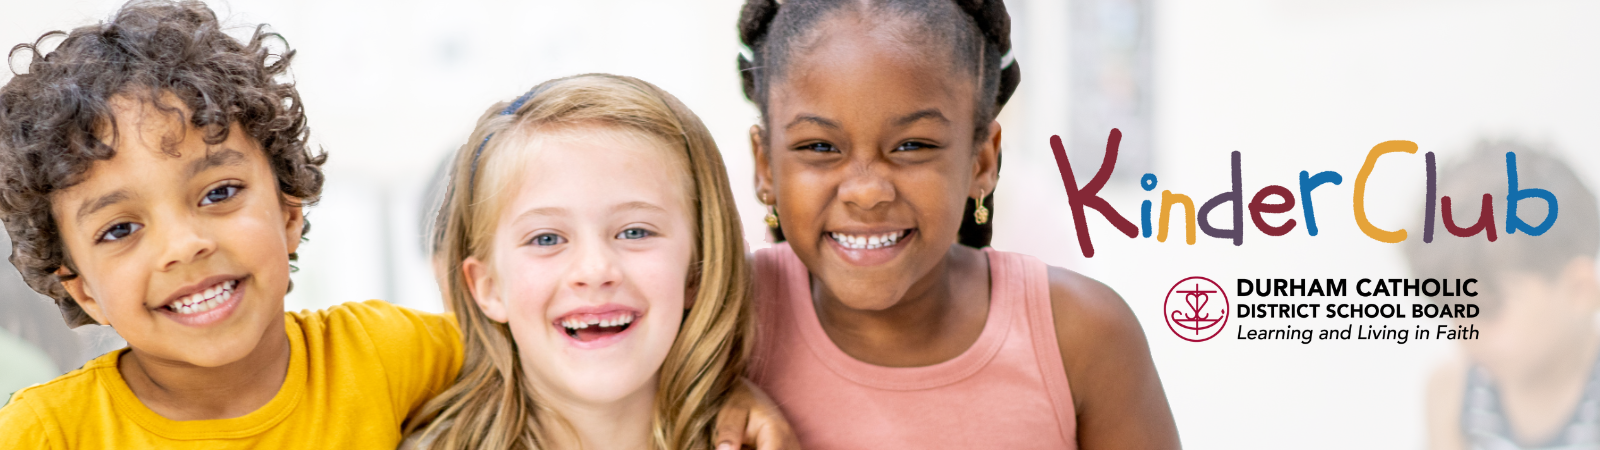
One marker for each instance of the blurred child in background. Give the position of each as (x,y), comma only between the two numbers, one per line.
(1530,379)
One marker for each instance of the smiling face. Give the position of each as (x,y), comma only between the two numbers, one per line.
(870,155)
(589,262)
(185,252)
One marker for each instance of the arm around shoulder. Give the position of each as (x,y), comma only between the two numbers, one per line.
(1115,389)
(421,353)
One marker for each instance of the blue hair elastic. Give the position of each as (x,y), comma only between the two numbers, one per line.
(472,180)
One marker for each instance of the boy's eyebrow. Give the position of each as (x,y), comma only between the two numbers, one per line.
(930,113)
(225,157)
(90,206)
(808,118)
(222,158)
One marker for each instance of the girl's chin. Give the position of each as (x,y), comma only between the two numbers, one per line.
(608,388)
(870,303)
(864,294)
(583,377)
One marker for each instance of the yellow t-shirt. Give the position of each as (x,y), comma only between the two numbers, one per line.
(356,372)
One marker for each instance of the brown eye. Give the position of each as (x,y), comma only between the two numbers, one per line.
(913,145)
(119,231)
(819,147)
(219,194)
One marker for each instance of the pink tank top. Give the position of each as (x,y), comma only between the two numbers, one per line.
(1008,390)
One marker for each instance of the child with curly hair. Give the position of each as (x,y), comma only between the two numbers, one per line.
(154,172)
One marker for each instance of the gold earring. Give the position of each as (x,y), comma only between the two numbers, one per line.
(981,214)
(772,212)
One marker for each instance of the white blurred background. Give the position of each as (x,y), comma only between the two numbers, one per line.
(392,87)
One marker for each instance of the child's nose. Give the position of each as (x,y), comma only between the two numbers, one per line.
(182,241)
(866,189)
(595,267)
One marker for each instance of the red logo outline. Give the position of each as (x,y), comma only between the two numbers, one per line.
(1196,299)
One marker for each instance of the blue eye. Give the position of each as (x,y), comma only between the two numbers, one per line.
(547,239)
(820,147)
(634,233)
(219,194)
(913,145)
(118,231)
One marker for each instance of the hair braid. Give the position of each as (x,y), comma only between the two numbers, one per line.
(995,25)
(755,19)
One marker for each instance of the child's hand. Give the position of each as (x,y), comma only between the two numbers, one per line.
(751,416)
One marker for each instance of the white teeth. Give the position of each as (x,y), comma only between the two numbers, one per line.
(575,323)
(867,242)
(205,300)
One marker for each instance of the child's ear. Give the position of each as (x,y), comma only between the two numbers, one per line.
(80,294)
(294,214)
(1579,280)
(763,172)
(986,171)
(481,284)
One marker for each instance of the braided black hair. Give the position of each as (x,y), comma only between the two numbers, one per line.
(975,30)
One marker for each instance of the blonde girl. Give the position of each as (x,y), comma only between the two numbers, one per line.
(597,271)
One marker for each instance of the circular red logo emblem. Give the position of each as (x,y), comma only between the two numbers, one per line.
(1196,309)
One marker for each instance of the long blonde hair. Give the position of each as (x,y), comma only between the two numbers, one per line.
(490,407)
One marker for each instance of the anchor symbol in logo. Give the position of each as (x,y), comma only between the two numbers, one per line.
(1196,315)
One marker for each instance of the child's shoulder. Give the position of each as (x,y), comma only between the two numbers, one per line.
(1084,309)
(34,414)
(1091,320)
(1115,387)
(83,382)
(397,336)
(1093,325)
(1086,305)
(372,316)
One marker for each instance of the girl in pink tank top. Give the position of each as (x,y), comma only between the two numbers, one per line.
(880,323)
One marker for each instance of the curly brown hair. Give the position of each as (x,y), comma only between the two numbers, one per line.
(50,114)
